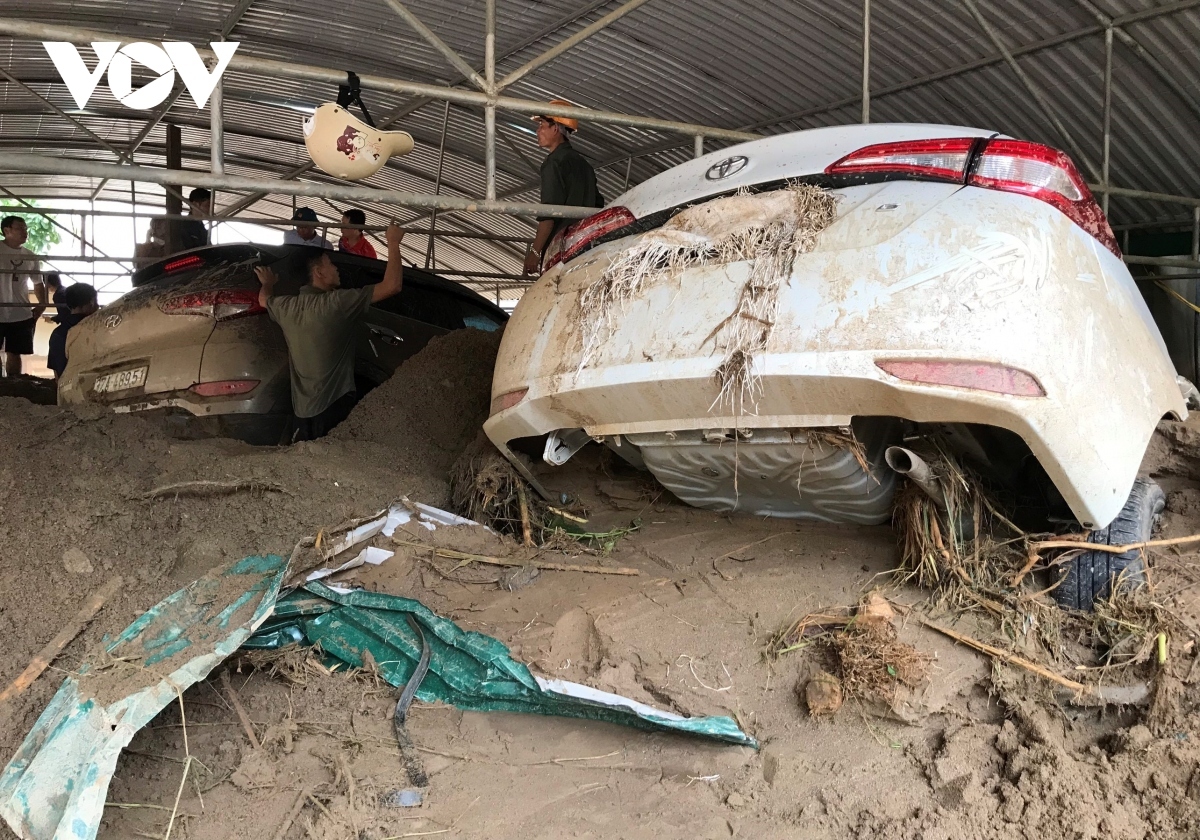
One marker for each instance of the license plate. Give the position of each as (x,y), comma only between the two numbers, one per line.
(121,380)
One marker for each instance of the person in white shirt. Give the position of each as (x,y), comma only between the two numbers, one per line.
(306,234)
(18,270)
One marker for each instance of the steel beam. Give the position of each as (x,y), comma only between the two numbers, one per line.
(1031,88)
(489,110)
(38,211)
(41,165)
(216,129)
(431,37)
(866,63)
(1108,66)
(1171,80)
(235,17)
(150,125)
(578,38)
(437,185)
(978,64)
(324,75)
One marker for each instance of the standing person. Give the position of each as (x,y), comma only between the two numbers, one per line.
(305,234)
(192,232)
(56,294)
(320,326)
(567,178)
(155,247)
(81,302)
(354,241)
(18,269)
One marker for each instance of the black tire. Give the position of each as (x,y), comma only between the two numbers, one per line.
(1089,577)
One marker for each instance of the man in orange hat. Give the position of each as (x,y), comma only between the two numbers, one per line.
(567,178)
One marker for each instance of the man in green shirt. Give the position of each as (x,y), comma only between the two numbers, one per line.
(320,326)
(567,178)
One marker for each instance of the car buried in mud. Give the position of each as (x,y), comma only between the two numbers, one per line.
(191,345)
(776,327)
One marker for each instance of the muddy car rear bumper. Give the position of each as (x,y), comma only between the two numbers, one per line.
(982,277)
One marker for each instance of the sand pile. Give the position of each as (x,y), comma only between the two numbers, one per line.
(433,406)
(78,507)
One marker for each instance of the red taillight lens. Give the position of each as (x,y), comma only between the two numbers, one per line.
(224,388)
(979,376)
(568,244)
(1046,174)
(183,264)
(222,305)
(940,159)
(507,401)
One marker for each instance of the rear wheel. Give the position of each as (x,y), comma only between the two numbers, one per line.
(1090,577)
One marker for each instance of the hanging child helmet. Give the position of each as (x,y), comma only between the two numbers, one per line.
(344,146)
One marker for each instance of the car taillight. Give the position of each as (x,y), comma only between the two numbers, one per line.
(224,388)
(940,159)
(979,376)
(1044,173)
(571,241)
(183,264)
(220,305)
(507,401)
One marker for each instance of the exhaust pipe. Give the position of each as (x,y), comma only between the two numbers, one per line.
(913,467)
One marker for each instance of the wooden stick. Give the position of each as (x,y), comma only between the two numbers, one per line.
(1112,549)
(55,646)
(1036,547)
(451,554)
(297,807)
(526,531)
(238,708)
(211,488)
(1011,658)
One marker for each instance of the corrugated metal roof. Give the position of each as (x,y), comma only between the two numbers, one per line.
(770,67)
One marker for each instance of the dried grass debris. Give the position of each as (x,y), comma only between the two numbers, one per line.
(875,663)
(768,230)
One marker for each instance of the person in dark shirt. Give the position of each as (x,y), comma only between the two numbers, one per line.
(192,232)
(567,178)
(80,300)
(57,295)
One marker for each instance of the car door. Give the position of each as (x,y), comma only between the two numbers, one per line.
(400,326)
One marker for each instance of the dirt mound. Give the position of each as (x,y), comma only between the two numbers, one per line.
(434,404)
(80,502)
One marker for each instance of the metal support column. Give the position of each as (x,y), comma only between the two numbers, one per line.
(437,187)
(698,149)
(866,64)
(216,130)
(1108,59)
(1196,233)
(489,110)
(174,203)
(1044,105)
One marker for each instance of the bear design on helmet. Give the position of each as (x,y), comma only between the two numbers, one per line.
(353,142)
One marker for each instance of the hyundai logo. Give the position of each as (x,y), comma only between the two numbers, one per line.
(112,321)
(723,169)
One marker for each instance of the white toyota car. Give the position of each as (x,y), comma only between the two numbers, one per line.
(964,283)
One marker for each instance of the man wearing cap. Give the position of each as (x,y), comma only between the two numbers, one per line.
(306,234)
(567,178)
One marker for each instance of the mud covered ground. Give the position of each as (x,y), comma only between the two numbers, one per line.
(979,751)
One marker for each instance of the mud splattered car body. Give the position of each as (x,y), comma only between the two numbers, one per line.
(191,345)
(968,280)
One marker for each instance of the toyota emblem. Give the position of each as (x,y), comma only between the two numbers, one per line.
(723,169)
(112,321)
